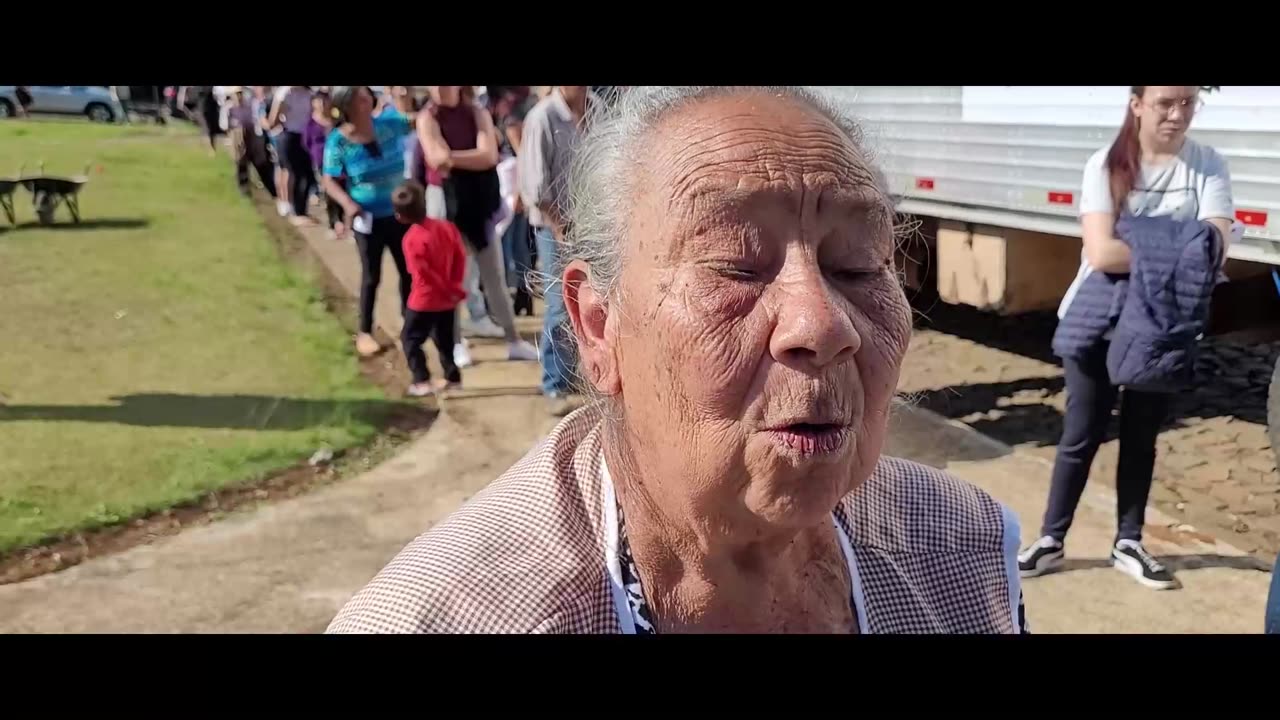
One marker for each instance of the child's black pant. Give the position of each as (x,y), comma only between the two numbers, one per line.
(439,326)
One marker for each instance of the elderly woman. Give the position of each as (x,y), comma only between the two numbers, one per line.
(730,283)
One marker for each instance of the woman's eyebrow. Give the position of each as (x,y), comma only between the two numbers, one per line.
(853,198)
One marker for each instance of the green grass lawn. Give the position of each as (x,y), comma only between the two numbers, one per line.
(159,350)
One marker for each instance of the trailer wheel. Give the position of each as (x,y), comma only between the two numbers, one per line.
(1273,411)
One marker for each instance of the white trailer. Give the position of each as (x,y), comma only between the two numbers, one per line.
(993,174)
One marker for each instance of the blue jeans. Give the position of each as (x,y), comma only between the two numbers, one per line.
(553,345)
(515,251)
(1273,602)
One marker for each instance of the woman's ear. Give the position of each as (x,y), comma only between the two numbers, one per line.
(589,312)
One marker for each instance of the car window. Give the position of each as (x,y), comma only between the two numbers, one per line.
(79,88)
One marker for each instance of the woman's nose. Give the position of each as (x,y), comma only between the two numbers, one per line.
(812,331)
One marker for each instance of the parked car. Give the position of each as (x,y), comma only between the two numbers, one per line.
(146,101)
(96,102)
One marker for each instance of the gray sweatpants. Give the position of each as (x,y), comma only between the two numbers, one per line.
(485,266)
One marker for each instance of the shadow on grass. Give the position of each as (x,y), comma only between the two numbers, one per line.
(245,412)
(92,224)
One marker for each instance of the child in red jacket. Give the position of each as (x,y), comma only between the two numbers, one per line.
(436,261)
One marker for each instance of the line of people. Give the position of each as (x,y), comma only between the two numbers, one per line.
(492,162)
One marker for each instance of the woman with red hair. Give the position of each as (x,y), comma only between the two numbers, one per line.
(1151,169)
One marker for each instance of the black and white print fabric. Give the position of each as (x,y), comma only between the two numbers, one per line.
(640,613)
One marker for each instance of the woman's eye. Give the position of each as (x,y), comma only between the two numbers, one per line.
(853,275)
(738,272)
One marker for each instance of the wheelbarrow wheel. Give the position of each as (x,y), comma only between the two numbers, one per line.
(45,203)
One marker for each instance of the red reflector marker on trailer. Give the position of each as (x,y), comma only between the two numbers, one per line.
(1252,217)
(1060,198)
(924,183)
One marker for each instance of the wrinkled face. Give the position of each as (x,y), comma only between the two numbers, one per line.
(755,341)
(1164,112)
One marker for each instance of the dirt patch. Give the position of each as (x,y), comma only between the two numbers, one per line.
(387,370)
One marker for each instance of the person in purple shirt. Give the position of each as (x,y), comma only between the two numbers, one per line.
(317,129)
(313,139)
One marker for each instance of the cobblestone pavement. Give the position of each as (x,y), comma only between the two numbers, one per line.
(1215,469)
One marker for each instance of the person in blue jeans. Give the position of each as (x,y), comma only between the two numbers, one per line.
(554,347)
(1273,602)
(549,138)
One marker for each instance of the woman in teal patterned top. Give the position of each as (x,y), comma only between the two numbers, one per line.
(368,152)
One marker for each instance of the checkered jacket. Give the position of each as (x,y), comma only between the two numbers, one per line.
(527,554)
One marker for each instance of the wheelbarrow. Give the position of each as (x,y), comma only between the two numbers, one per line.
(48,192)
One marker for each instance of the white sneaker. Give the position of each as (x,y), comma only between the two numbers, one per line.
(1130,558)
(521,350)
(484,328)
(461,356)
(282,208)
(1042,556)
(421,390)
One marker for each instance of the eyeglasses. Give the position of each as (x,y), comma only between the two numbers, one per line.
(1188,105)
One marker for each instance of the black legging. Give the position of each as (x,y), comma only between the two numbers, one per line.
(1090,399)
(386,233)
(209,114)
(297,161)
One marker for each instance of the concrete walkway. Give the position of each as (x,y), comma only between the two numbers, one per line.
(288,567)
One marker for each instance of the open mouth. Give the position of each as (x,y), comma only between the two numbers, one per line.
(810,438)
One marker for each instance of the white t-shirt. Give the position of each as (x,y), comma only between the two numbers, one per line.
(1195,186)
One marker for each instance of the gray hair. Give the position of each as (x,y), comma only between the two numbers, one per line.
(602,178)
(603,175)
